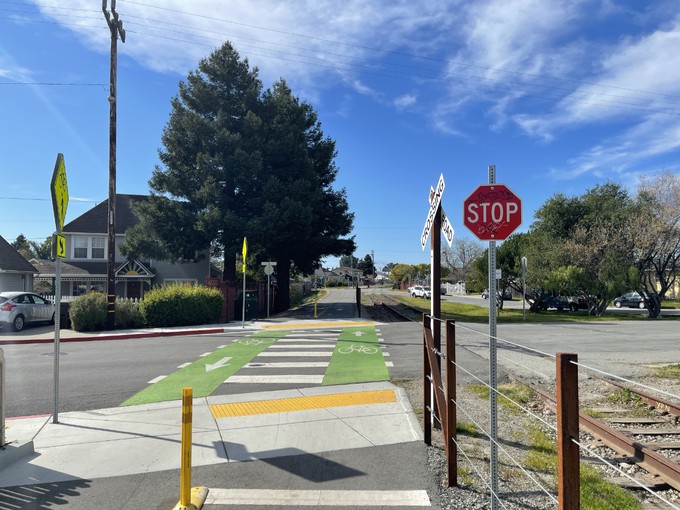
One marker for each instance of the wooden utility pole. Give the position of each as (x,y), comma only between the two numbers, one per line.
(116,28)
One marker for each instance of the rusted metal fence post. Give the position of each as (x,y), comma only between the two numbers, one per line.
(449,363)
(568,482)
(427,386)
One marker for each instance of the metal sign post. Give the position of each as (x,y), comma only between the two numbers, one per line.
(493,367)
(244,253)
(268,270)
(524,288)
(435,222)
(492,212)
(59,192)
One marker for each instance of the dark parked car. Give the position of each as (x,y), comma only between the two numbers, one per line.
(554,302)
(21,308)
(630,300)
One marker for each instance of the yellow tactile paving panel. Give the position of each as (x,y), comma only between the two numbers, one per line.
(286,405)
(312,325)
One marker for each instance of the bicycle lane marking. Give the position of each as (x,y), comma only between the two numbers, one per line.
(207,373)
(357,357)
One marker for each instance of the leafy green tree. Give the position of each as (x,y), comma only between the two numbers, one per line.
(349,261)
(581,246)
(44,250)
(388,267)
(25,247)
(366,265)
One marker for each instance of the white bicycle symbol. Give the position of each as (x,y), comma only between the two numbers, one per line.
(255,341)
(363,349)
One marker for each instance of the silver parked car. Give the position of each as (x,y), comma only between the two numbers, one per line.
(21,308)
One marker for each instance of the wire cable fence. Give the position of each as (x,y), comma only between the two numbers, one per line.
(442,405)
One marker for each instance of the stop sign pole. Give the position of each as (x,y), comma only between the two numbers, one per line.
(493,362)
(492,212)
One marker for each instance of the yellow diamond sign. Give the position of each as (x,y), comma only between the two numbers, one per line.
(59,189)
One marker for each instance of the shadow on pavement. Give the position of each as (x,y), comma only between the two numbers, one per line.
(46,495)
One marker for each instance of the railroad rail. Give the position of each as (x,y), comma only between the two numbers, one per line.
(644,455)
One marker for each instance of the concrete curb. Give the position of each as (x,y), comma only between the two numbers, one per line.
(12,452)
(113,336)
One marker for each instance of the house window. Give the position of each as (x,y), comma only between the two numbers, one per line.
(89,247)
(98,247)
(80,247)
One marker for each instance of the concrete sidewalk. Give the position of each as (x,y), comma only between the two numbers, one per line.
(147,438)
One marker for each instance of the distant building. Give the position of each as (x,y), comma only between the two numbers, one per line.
(85,267)
(16,273)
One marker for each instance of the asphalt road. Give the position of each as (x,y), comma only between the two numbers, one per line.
(102,374)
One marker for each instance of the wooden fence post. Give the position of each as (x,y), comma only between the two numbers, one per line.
(449,363)
(568,482)
(427,374)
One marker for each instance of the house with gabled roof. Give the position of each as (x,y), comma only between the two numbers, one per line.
(85,267)
(16,273)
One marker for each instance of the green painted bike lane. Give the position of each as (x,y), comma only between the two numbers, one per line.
(206,374)
(357,358)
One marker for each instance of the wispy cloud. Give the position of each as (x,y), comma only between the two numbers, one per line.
(405,101)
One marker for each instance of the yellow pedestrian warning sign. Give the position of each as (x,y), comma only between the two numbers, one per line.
(59,190)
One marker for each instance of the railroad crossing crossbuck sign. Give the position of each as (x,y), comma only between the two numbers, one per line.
(435,201)
(492,212)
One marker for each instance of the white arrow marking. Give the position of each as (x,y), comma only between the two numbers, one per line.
(221,363)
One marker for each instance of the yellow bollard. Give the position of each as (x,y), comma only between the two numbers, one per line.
(185,466)
(189,499)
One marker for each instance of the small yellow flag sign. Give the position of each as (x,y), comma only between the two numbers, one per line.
(244,253)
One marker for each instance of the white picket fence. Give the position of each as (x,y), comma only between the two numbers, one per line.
(68,299)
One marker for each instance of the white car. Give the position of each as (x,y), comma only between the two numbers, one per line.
(21,308)
(421,292)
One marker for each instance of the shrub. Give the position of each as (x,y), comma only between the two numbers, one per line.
(88,312)
(128,315)
(181,305)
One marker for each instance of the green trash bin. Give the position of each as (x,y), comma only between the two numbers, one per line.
(252,305)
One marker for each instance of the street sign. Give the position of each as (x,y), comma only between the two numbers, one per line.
(435,200)
(492,212)
(60,246)
(244,252)
(268,267)
(447,228)
(59,189)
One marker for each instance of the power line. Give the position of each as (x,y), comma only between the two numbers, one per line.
(509,86)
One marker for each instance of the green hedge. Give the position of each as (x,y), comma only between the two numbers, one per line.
(181,305)
(88,313)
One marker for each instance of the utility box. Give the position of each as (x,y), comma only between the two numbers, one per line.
(252,304)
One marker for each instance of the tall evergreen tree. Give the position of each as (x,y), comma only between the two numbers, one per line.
(302,217)
(242,163)
(202,194)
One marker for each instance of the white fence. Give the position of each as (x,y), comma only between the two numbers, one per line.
(68,299)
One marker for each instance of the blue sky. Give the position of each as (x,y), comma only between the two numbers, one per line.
(559,95)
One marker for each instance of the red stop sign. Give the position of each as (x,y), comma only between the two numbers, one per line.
(492,212)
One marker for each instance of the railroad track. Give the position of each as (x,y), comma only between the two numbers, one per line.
(651,442)
(386,309)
